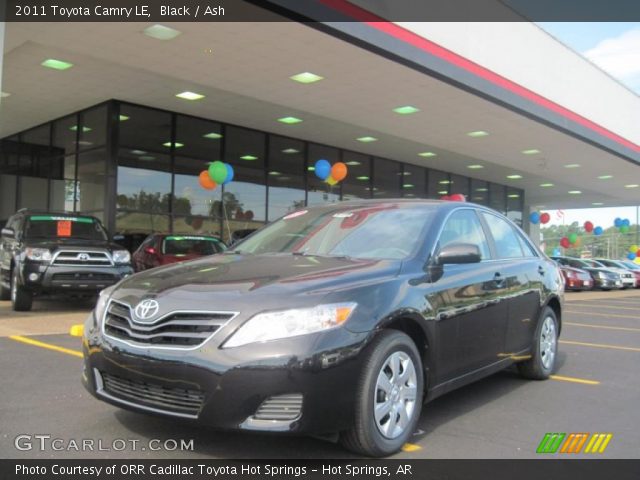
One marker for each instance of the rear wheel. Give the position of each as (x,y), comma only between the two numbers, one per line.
(5,293)
(389,397)
(21,298)
(544,349)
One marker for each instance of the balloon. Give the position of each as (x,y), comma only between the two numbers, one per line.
(331,181)
(544,218)
(534,218)
(588,227)
(633,248)
(598,231)
(230,174)
(218,171)
(626,222)
(323,169)
(564,242)
(445,197)
(457,197)
(631,256)
(618,222)
(573,238)
(205,181)
(624,229)
(339,171)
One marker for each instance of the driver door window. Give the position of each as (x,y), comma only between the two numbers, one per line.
(463,226)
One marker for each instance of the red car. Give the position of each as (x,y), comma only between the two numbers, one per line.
(163,249)
(576,279)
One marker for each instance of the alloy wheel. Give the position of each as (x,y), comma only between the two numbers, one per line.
(548,341)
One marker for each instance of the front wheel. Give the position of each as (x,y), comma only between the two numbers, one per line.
(21,298)
(544,349)
(389,397)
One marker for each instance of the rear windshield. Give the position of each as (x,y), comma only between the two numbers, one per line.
(192,245)
(50,226)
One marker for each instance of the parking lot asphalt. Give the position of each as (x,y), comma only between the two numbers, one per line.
(596,389)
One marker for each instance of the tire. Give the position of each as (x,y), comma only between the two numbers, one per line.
(390,350)
(21,298)
(544,350)
(5,293)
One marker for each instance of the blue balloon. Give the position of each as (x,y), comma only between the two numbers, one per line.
(631,256)
(534,218)
(617,222)
(323,169)
(230,174)
(626,222)
(598,231)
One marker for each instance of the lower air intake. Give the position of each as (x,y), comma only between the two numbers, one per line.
(280,407)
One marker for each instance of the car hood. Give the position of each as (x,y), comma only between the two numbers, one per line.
(72,243)
(262,282)
(598,269)
(574,270)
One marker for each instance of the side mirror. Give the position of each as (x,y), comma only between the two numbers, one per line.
(457,253)
(118,238)
(8,232)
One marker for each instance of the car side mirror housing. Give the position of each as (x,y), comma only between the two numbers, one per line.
(8,232)
(458,253)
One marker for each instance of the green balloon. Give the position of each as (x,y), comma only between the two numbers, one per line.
(573,237)
(218,171)
(624,229)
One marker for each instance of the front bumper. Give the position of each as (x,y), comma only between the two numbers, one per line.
(42,278)
(225,388)
(608,284)
(578,284)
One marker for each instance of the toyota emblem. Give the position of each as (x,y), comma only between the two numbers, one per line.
(83,257)
(147,309)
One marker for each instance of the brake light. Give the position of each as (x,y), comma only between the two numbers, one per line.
(150,250)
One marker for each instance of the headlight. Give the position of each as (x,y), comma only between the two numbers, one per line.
(290,323)
(121,256)
(38,254)
(103,300)
(603,275)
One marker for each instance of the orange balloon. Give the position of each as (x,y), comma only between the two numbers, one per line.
(339,171)
(205,181)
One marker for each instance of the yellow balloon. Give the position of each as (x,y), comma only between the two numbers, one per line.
(637,260)
(633,248)
(331,181)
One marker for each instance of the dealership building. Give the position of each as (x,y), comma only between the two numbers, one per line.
(118,120)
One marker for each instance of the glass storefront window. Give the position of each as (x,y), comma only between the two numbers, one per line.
(91,182)
(386,178)
(497,197)
(515,205)
(285,176)
(34,193)
(358,181)
(140,222)
(8,185)
(479,192)
(414,181)
(459,184)
(64,135)
(145,130)
(144,182)
(319,192)
(439,184)
(93,128)
(201,139)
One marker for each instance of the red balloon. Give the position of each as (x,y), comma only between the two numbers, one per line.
(544,218)
(588,227)
(445,197)
(457,197)
(564,242)
(205,181)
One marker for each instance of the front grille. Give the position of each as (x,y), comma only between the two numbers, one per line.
(178,329)
(172,400)
(81,276)
(280,407)
(81,258)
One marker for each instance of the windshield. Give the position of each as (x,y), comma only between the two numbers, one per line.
(631,265)
(594,264)
(190,245)
(57,227)
(380,231)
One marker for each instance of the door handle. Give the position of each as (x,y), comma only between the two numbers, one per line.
(499,279)
(541,270)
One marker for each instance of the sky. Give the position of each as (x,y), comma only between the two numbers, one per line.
(615,48)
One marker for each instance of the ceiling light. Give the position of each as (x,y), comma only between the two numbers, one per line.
(56,64)
(631,185)
(147,157)
(366,139)
(290,150)
(274,173)
(311,169)
(426,154)
(160,32)
(4,94)
(212,136)
(514,177)
(189,96)
(444,182)
(289,120)
(572,165)
(362,177)
(138,152)
(406,110)
(482,189)
(475,167)
(574,192)
(175,145)
(408,185)
(605,177)
(248,157)
(443,192)
(478,134)
(84,129)
(546,185)
(353,163)
(531,151)
(597,204)
(404,174)
(306,77)
(478,198)
(409,195)
(513,195)
(84,143)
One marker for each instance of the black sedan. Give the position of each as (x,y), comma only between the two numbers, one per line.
(339,318)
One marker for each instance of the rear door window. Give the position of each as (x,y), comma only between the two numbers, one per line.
(504,237)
